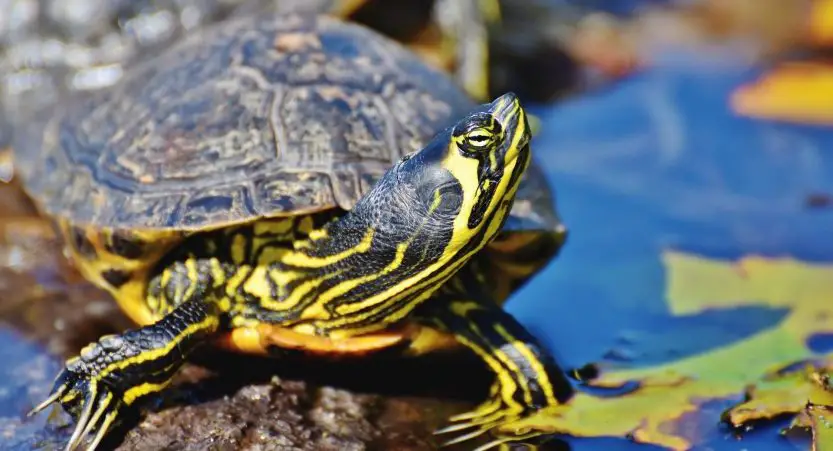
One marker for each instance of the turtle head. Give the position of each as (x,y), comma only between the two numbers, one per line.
(427,216)
(464,181)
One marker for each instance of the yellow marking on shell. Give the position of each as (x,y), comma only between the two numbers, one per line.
(276,227)
(532,360)
(292,338)
(309,329)
(257,338)
(238,249)
(131,296)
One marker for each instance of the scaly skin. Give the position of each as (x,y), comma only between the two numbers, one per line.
(527,377)
(342,277)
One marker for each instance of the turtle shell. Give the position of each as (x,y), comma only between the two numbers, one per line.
(255,117)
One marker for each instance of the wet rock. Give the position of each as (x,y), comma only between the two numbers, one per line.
(283,415)
(50,48)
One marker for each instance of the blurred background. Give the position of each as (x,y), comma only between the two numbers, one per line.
(690,146)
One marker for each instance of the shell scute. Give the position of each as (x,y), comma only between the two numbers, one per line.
(255,117)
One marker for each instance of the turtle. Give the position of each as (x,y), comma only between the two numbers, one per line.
(296,182)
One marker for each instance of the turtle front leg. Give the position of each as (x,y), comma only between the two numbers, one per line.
(527,378)
(118,369)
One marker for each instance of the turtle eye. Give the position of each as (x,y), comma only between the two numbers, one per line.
(479,135)
(479,139)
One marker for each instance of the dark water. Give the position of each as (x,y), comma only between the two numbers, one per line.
(657,163)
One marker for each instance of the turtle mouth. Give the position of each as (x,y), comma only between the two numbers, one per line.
(508,111)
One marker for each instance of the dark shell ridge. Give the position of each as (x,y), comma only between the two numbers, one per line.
(256,117)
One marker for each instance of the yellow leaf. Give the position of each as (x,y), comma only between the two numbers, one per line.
(663,394)
(799,92)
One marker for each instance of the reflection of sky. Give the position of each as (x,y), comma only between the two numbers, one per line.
(26,374)
(659,162)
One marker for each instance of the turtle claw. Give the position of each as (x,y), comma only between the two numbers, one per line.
(495,418)
(504,445)
(464,438)
(56,394)
(93,408)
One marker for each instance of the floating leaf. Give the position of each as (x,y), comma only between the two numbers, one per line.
(799,92)
(780,394)
(661,395)
(819,419)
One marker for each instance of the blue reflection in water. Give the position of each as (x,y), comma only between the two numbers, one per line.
(657,163)
(26,373)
